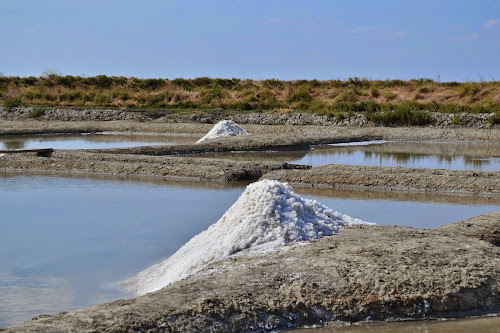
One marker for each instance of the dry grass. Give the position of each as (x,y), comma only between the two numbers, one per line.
(322,97)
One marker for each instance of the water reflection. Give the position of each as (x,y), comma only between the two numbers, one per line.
(92,141)
(430,155)
(14,144)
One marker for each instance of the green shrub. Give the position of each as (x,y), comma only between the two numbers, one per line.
(241,105)
(210,94)
(374,92)
(423,81)
(102,81)
(359,83)
(348,96)
(37,111)
(65,81)
(319,107)
(392,84)
(457,119)
(121,94)
(273,84)
(407,113)
(227,83)
(389,95)
(159,101)
(339,117)
(29,81)
(101,100)
(303,95)
(33,94)
(70,96)
(369,106)
(183,83)
(202,81)
(152,84)
(12,102)
(494,119)
(315,83)
(470,89)
(424,90)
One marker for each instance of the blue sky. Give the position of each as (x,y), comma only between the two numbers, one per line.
(457,40)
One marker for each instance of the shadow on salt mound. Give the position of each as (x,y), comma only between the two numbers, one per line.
(223,128)
(268,215)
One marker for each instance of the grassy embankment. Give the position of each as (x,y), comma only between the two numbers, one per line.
(390,101)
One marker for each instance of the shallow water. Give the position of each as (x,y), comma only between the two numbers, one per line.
(92,141)
(430,155)
(476,325)
(64,241)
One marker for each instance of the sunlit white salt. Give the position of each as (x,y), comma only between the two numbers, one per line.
(222,129)
(268,215)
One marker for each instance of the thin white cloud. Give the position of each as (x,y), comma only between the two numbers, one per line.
(399,34)
(492,23)
(465,38)
(360,30)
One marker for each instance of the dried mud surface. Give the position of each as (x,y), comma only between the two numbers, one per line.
(363,273)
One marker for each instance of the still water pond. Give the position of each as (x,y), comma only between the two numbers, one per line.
(64,242)
(430,155)
(92,141)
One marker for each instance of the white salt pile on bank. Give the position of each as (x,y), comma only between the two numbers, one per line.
(222,129)
(269,214)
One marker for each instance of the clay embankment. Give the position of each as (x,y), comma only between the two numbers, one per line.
(189,168)
(393,178)
(363,273)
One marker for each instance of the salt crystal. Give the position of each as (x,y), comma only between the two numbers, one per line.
(268,215)
(223,128)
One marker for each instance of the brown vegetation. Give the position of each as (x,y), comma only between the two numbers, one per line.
(332,97)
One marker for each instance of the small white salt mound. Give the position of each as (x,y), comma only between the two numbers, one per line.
(269,214)
(222,129)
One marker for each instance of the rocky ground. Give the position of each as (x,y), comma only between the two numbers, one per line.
(364,273)
(301,119)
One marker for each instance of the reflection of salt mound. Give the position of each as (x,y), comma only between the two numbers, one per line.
(268,214)
(223,128)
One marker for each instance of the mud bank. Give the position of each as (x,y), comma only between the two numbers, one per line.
(159,127)
(363,273)
(188,168)
(393,178)
(241,143)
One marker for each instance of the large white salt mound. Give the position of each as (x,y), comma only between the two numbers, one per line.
(222,129)
(268,214)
